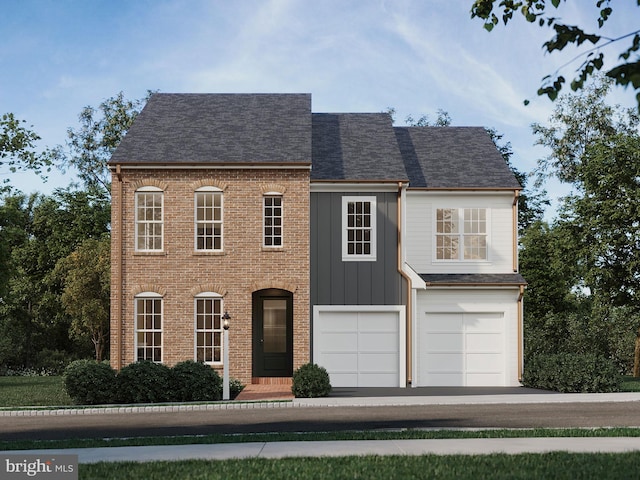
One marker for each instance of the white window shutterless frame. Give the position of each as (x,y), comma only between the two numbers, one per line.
(149,219)
(359,228)
(208,219)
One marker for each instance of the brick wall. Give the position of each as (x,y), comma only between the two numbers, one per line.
(179,273)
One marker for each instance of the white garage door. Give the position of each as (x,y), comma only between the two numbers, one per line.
(359,348)
(462,349)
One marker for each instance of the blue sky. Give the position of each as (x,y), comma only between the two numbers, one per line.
(418,56)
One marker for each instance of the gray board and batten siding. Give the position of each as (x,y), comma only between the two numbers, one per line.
(338,282)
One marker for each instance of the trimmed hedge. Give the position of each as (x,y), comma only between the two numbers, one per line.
(311,380)
(195,382)
(572,373)
(90,383)
(144,382)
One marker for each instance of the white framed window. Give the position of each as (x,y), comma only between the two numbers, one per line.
(359,228)
(149,219)
(272,220)
(208,328)
(208,219)
(461,234)
(148,314)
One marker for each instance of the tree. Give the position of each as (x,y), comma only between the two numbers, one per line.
(36,232)
(101,129)
(17,148)
(596,149)
(85,274)
(578,121)
(531,203)
(625,73)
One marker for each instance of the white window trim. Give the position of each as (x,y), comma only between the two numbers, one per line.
(371,257)
(142,296)
(148,189)
(461,235)
(205,296)
(264,197)
(207,189)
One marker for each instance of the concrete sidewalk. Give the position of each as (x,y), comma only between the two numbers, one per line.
(471,446)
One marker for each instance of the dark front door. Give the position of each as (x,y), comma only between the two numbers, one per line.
(272,333)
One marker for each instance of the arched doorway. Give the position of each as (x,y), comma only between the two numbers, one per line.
(272,333)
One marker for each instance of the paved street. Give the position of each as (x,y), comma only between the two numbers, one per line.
(527,415)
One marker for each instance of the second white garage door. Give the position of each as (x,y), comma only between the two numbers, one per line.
(363,348)
(462,349)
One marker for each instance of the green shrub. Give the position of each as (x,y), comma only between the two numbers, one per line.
(90,383)
(144,382)
(194,382)
(235,387)
(572,372)
(311,380)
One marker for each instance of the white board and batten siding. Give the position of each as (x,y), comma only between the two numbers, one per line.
(466,338)
(361,346)
(421,224)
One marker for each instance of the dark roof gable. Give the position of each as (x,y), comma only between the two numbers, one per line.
(356,147)
(220,129)
(453,157)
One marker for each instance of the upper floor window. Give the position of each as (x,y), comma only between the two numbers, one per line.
(149,219)
(359,228)
(461,234)
(208,328)
(148,313)
(208,219)
(272,220)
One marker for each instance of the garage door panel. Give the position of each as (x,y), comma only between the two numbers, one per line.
(484,362)
(446,322)
(445,379)
(444,362)
(341,362)
(445,342)
(378,342)
(483,322)
(483,379)
(377,380)
(338,342)
(483,342)
(378,362)
(343,379)
(339,322)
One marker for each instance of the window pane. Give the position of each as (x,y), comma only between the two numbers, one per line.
(275,326)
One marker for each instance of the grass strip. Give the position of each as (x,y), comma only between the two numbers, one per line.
(556,465)
(405,434)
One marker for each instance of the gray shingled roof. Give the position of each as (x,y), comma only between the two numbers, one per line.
(479,279)
(452,157)
(355,146)
(220,129)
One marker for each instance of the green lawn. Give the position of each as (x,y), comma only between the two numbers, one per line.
(539,466)
(32,391)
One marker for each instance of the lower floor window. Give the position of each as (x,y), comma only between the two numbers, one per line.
(209,330)
(149,329)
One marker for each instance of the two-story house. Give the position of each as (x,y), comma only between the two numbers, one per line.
(387,255)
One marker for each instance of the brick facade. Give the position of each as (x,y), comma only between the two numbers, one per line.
(179,273)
